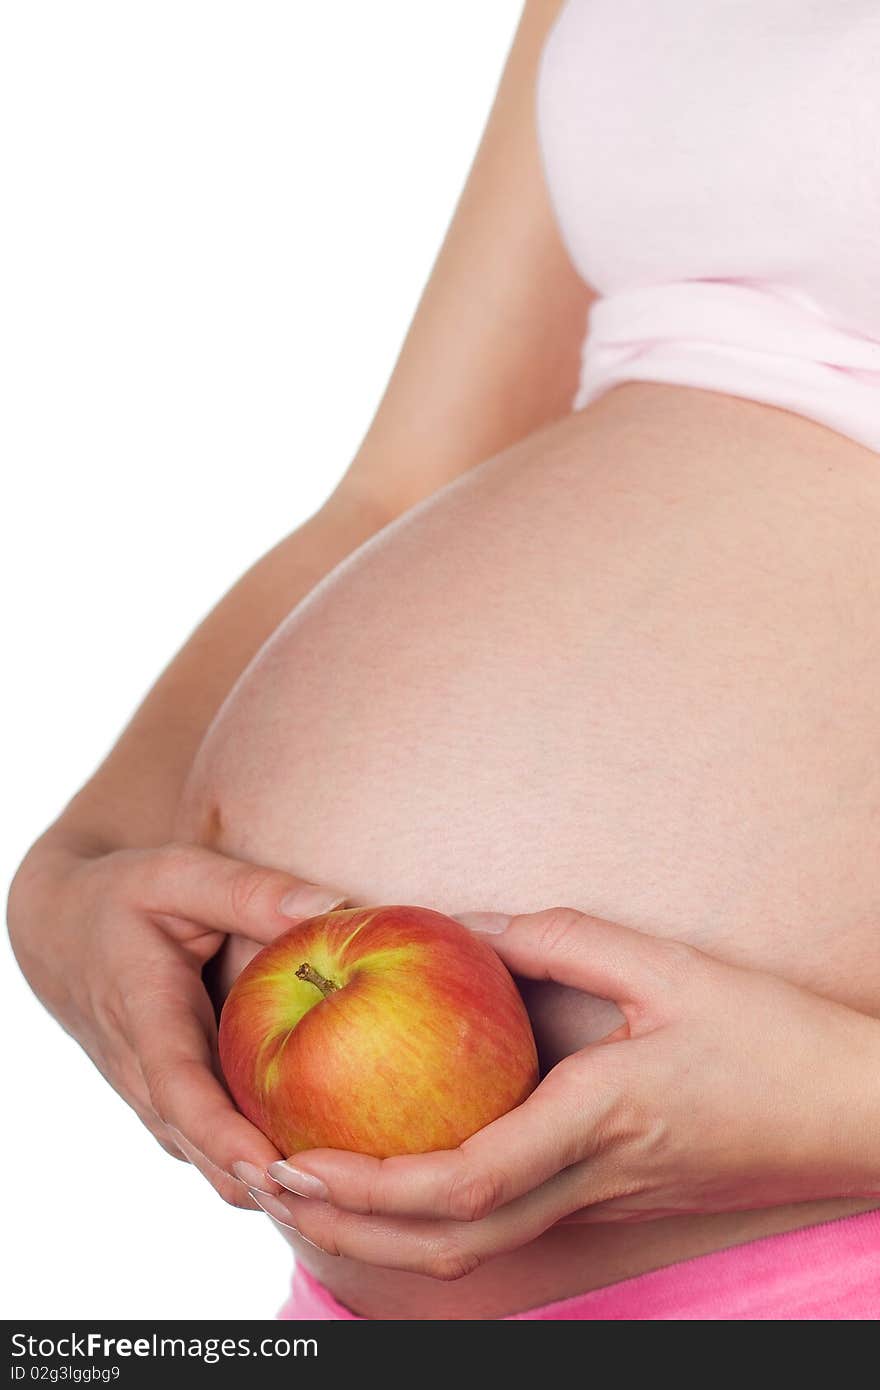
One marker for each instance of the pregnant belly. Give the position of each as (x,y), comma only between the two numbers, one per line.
(631,665)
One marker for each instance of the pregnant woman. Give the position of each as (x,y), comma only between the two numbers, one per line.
(624,658)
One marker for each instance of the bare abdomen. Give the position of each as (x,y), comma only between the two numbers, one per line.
(633,666)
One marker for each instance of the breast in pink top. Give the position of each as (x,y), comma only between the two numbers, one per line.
(716,174)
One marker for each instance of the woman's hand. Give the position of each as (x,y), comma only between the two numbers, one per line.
(724,1089)
(114,946)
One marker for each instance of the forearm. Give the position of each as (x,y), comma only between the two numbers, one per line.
(132,798)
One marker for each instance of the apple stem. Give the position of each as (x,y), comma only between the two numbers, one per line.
(311,976)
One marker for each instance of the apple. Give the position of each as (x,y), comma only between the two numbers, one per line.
(382,1030)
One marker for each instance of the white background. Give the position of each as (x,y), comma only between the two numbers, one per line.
(217,216)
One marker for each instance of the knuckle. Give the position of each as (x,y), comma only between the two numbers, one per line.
(473,1196)
(372,1199)
(160,1082)
(559,930)
(248,888)
(450,1260)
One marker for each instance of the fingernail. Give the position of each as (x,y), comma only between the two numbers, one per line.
(272,1207)
(295,1180)
(309,899)
(491,922)
(252,1176)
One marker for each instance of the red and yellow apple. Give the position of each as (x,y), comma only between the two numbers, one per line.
(383,1030)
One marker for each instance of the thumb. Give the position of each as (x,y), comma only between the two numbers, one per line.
(199,885)
(629,967)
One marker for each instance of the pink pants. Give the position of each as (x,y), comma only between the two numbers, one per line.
(829,1272)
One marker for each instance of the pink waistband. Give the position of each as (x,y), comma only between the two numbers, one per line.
(829,1272)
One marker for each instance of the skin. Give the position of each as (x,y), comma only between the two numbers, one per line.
(491,360)
(606,680)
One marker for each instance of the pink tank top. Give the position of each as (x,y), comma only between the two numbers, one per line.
(715,169)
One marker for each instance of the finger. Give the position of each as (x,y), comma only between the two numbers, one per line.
(629,967)
(170,1027)
(123,1074)
(232,1190)
(559,1124)
(188,882)
(162,1135)
(127,1080)
(442,1249)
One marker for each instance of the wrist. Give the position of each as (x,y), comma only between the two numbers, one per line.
(42,880)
